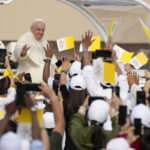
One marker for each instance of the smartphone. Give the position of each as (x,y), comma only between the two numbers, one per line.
(122,115)
(32,87)
(27,77)
(3,53)
(56,83)
(103,53)
(140,97)
(57,77)
(91,99)
(137,124)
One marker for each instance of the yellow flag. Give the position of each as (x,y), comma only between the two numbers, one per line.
(111,26)
(126,56)
(142,58)
(8,72)
(60,69)
(65,43)
(96,45)
(145,28)
(109,72)
(69,42)
(25,115)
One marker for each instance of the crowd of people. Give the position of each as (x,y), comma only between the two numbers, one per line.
(78,114)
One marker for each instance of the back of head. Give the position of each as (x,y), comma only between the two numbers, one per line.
(98,111)
(4,85)
(78,83)
(142,112)
(97,115)
(117,144)
(74,101)
(10,141)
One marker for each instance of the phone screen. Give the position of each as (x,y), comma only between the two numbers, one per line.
(122,115)
(137,124)
(32,86)
(27,77)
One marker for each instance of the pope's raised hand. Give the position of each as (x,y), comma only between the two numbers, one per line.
(24,50)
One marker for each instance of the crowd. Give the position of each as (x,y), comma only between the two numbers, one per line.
(79,114)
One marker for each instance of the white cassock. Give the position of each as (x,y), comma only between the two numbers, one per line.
(33,62)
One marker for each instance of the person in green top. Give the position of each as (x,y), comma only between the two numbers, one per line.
(92,136)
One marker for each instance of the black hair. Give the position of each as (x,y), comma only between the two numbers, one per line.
(144,141)
(98,137)
(74,101)
(4,85)
(12,126)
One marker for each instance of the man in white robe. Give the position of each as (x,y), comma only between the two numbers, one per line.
(30,53)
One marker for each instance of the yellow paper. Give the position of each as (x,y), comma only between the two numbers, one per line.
(60,69)
(142,58)
(69,42)
(126,56)
(25,115)
(96,45)
(109,72)
(111,26)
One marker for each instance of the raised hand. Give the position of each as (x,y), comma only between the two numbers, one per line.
(86,39)
(66,64)
(128,68)
(24,50)
(47,91)
(7,64)
(77,57)
(109,45)
(49,50)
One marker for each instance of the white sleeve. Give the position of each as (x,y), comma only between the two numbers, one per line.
(10,97)
(134,89)
(93,87)
(124,87)
(17,51)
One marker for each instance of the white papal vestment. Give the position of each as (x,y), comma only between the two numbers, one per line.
(33,62)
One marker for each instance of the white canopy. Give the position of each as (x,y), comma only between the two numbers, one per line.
(125,12)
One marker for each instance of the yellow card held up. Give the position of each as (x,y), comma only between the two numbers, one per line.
(142,58)
(109,72)
(96,45)
(25,115)
(126,56)
(69,42)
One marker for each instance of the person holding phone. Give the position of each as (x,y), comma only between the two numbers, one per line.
(30,51)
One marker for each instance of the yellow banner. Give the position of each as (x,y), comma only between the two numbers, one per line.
(25,115)
(69,42)
(109,72)
(111,26)
(126,56)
